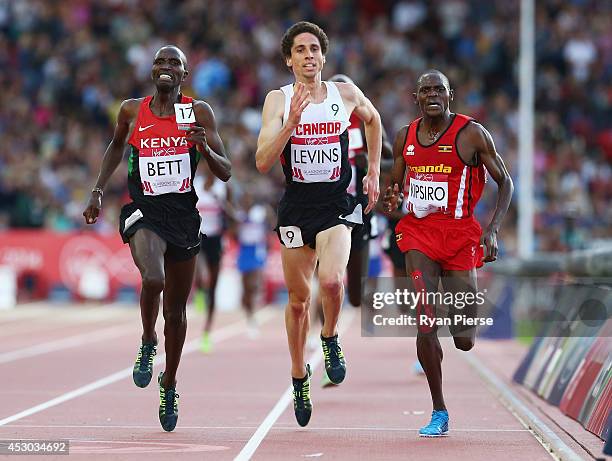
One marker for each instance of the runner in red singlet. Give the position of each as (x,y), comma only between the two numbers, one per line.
(168,134)
(440,164)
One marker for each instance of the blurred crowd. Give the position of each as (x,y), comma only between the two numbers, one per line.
(68,64)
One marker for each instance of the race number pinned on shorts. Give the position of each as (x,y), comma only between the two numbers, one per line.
(291,236)
(185,115)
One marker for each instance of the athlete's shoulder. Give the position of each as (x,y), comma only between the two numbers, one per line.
(129,109)
(200,105)
(131,105)
(275,95)
(275,102)
(348,90)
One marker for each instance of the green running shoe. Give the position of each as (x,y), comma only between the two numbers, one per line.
(168,406)
(302,405)
(205,343)
(143,368)
(335,366)
(199,301)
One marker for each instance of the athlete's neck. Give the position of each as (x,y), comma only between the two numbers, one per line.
(163,102)
(438,123)
(317,89)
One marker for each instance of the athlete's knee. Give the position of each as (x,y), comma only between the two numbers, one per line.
(175,317)
(153,283)
(464,344)
(331,285)
(298,305)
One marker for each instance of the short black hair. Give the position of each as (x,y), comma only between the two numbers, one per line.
(300,28)
(433,71)
(180,53)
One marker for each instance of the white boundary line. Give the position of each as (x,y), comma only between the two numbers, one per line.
(551,442)
(249,449)
(65,343)
(220,335)
(236,428)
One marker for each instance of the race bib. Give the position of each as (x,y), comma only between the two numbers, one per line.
(316,159)
(291,236)
(185,115)
(427,193)
(164,171)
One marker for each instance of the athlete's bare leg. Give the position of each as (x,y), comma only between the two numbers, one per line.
(249,290)
(462,282)
(298,267)
(333,248)
(213,277)
(356,269)
(179,277)
(425,274)
(148,250)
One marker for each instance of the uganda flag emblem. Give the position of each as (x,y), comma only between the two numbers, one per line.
(445,149)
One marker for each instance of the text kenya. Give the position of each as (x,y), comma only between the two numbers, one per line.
(170,141)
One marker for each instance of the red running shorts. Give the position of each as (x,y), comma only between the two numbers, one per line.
(453,243)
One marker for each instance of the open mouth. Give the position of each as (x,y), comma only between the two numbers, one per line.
(433,105)
(165,77)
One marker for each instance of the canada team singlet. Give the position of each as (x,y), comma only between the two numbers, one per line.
(161,163)
(438,182)
(315,160)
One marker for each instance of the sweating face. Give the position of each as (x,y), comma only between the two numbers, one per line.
(169,68)
(433,94)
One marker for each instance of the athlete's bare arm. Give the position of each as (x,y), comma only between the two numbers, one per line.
(207,138)
(356,102)
(387,148)
(476,143)
(112,156)
(393,194)
(274,135)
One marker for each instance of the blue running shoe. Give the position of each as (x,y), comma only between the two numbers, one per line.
(417,369)
(438,426)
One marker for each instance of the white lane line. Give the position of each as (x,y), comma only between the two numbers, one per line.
(218,336)
(276,428)
(65,343)
(249,449)
(542,433)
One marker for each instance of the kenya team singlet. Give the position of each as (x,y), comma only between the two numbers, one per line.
(162,163)
(315,160)
(438,182)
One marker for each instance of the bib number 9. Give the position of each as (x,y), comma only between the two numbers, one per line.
(291,236)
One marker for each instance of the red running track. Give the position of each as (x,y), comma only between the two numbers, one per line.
(67,375)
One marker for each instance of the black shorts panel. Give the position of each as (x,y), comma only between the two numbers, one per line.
(211,249)
(312,219)
(180,232)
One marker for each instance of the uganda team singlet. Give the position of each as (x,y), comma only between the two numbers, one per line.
(161,163)
(315,160)
(438,182)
